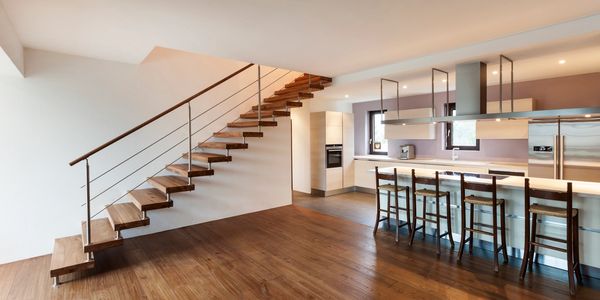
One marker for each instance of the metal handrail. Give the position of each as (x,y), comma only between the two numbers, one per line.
(179,143)
(183,125)
(144,124)
(175,130)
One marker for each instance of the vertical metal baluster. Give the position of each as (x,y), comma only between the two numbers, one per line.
(89,221)
(512,96)
(432,93)
(381,95)
(189,141)
(259,101)
(398,99)
(500,83)
(447,93)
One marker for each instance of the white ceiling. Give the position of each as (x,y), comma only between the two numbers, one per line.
(324,37)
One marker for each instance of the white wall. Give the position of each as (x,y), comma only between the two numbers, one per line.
(68,105)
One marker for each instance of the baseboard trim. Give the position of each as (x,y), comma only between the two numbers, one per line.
(321,193)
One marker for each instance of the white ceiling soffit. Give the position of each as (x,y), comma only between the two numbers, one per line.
(324,37)
(11,50)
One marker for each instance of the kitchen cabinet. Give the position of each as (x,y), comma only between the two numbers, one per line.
(505,129)
(327,128)
(412,132)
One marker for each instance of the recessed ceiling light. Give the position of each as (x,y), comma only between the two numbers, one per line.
(495,72)
(443,80)
(498,120)
(433,123)
(403,124)
(346,96)
(562,62)
(588,116)
(405,86)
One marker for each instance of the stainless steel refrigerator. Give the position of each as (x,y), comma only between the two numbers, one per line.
(567,150)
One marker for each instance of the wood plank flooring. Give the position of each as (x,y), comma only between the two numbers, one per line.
(284,253)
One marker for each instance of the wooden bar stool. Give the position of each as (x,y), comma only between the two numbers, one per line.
(572,218)
(436,194)
(395,189)
(492,202)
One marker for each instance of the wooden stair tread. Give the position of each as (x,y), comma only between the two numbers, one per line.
(149,199)
(246,124)
(278,105)
(315,79)
(197,171)
(103,235)
(171,184)
(306,76)
(291,96)
(223,145)
(208,157)
(265,114)
(301,88)
(237,134)
(125,216)
(68,256)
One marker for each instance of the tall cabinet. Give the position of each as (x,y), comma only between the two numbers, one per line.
(331,128)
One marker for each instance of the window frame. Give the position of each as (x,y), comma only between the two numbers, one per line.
(448,132)
(370,116)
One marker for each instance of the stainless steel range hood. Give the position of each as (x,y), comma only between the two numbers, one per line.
(471,100)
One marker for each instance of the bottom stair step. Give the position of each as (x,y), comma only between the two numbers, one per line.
(125,216)
(103,235)
(68,256)
(149,199)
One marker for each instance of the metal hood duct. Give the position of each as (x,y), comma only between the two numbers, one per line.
(471,100)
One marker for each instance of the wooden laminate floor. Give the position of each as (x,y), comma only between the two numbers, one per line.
(284,253)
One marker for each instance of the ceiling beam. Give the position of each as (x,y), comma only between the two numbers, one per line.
(11,49)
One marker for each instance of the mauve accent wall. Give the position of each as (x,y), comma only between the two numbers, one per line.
(562,92)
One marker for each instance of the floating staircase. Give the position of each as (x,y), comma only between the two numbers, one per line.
(73,254)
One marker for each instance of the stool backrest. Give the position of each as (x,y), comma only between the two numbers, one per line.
(550,195)
(388,177)
(478,186)
(427,181)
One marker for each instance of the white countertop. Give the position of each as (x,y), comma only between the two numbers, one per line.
(500,166)
(579,187)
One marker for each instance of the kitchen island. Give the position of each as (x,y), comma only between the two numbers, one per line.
(511,188)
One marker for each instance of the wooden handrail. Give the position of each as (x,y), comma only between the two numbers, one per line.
(136,128)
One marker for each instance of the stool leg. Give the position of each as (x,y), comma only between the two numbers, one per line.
(495,237)
(449,220)
(424,216)
(503,231)
(437,224)
(378,213)
(389,200)
(397,218)
(414,220)
(472,217)
(570,270)
(525,247)
(410,228)
(576,248)
(533,239)
(463,231)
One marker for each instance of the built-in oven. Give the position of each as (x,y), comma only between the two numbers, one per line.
(333,155)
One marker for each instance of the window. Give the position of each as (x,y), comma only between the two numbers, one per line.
(377,142)
(461,134)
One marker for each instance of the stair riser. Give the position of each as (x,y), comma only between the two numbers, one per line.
(209,159)
(152,206)
(171,190)
(102,246)
(294,96)
(305,89)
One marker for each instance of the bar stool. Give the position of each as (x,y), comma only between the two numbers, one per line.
(492,202)
(572,218)
(391,188)
(436,194)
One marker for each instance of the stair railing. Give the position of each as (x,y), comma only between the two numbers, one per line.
(187,101)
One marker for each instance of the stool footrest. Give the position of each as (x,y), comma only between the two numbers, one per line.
(484,225)
(426,220)
(383,219)
(444,234)
(548,246)
(545,237)
(479,231)
(435,215)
